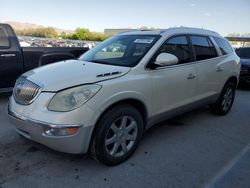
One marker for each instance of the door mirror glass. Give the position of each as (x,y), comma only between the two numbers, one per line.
(165,59)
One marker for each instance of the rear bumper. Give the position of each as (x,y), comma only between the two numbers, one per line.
(35,130)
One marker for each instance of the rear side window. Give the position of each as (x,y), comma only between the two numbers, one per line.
(4,40)
(203,47)
(179,47)
(224,46)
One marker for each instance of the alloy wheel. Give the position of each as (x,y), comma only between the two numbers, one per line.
(227,99)
(121,136)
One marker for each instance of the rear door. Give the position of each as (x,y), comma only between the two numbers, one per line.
(11,65)
(174,85)
(208,68)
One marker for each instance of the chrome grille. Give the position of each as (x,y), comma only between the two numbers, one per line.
(25,91)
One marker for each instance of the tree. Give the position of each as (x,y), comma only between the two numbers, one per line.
(148,28)
(85,34)
(48,32)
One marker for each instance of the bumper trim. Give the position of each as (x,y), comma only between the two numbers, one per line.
(44,124)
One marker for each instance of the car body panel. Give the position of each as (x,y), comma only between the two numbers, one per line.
(70,73)
(168,86)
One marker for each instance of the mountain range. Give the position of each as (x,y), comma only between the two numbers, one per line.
(22,26)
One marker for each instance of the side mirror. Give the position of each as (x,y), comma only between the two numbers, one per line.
(165,59)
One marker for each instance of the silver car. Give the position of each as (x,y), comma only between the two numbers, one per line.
(104,101)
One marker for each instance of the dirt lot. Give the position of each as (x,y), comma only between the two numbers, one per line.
(196,149)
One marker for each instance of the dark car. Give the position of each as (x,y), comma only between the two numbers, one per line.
(244,54)
(15,60)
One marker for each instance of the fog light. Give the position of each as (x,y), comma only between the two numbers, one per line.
(60,131)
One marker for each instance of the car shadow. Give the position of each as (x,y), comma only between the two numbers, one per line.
(244,87)
(180,120)
(161,127)
(22,156)
(4,96)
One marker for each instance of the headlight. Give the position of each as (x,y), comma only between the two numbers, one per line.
(72,98)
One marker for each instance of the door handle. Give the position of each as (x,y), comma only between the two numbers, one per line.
(8,55)
(191,76)
(219,69)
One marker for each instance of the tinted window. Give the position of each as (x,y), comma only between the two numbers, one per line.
(224,46)
(243,53)
(179,47)
(4,41)
(203,47)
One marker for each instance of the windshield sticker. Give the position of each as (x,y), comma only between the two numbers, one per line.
(144,41)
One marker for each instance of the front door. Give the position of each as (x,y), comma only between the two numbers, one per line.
(174,85)
(11,65)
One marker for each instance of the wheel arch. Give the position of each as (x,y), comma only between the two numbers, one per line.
(136,103)
(233,79)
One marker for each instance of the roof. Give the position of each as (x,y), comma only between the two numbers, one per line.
(174,30)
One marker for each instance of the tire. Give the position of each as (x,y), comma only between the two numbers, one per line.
(117,135)
(225,101)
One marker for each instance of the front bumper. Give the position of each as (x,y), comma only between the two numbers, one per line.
(34,130)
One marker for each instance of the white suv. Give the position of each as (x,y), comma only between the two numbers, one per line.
(104,101)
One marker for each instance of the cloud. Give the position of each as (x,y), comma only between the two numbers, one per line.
(192,5)
(207,14)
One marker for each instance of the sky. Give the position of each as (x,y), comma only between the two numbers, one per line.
(223,16)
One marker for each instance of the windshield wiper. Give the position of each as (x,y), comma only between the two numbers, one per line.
(100,62)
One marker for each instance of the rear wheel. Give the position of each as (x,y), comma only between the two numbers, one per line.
(117,135)
(225,101)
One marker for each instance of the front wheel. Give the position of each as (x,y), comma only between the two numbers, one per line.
(117,135)
(225,101)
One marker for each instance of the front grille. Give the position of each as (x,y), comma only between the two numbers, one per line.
(25,91)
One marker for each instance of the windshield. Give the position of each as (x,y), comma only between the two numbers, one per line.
(121,50)
(243,53)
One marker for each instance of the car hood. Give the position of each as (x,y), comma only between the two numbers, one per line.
(245,61)
(61,75)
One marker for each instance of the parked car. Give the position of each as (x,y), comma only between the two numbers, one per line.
(244,54)
(105,101)
(15,60)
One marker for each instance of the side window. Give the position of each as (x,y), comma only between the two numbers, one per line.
(203,47)
(179,47)
(4,40)
(224,46)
